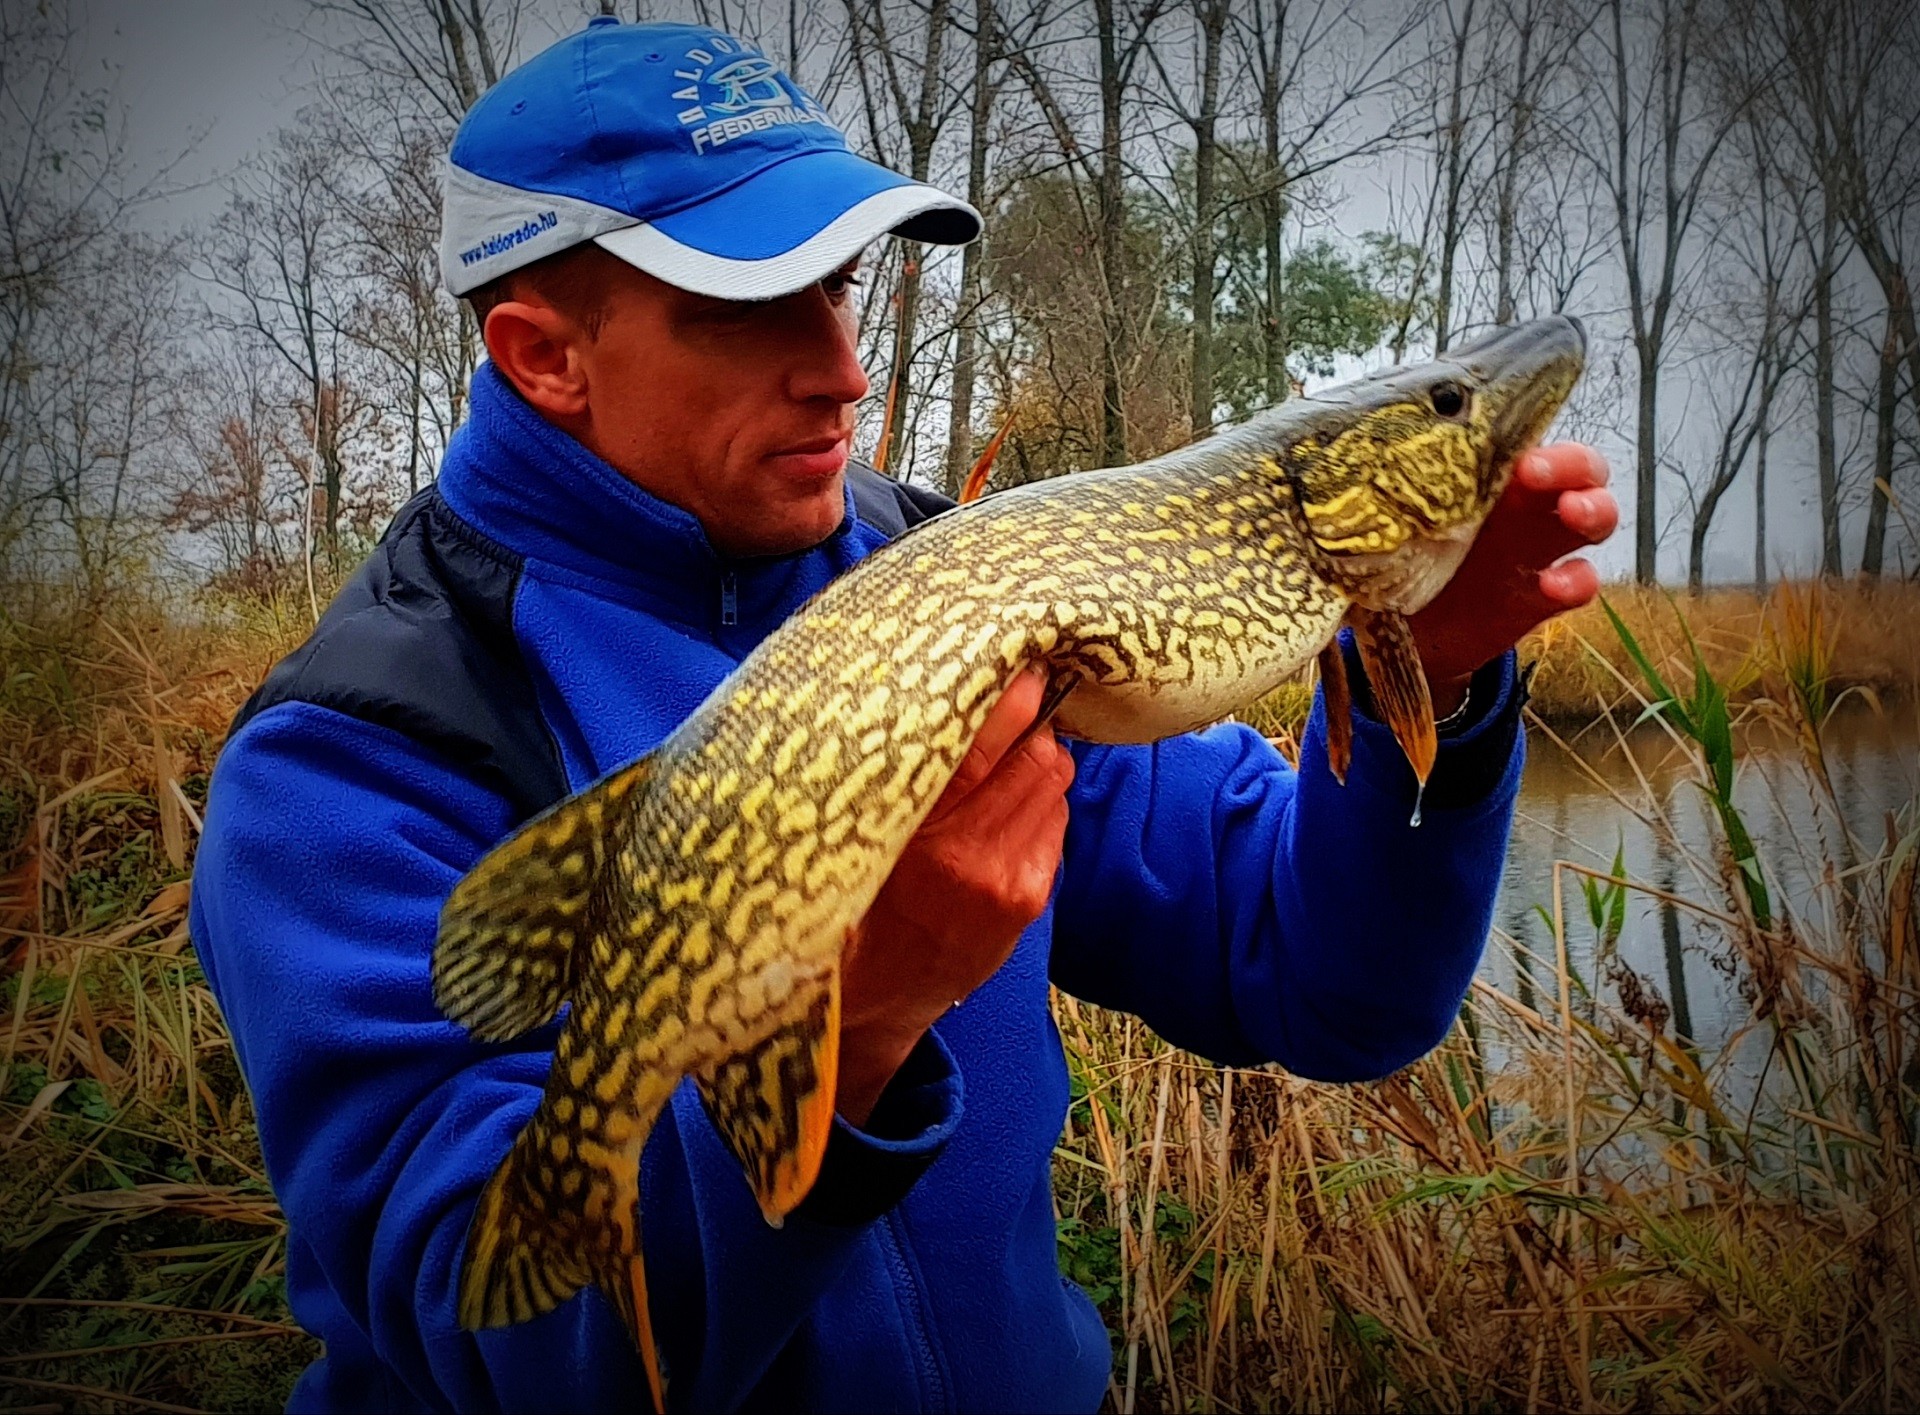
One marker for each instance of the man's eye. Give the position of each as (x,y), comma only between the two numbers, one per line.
(840,283)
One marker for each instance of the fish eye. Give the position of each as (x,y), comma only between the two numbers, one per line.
(1449,399)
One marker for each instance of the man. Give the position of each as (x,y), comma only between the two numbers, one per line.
(660,232)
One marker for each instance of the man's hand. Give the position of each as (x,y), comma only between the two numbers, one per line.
(978,871)
(1514,580)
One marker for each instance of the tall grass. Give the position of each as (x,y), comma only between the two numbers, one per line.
(1565,1206)
(1863,636)
(142,1245)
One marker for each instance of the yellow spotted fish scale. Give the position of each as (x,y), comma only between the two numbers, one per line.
(694,905)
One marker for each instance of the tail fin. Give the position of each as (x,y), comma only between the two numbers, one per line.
(519,1265)
(503,963)
(624,1282)
(526,1255)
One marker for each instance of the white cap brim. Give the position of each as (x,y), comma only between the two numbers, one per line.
(912,210)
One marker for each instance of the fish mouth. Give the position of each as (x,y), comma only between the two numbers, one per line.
(1524,372)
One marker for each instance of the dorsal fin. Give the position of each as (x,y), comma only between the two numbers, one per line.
(503,963)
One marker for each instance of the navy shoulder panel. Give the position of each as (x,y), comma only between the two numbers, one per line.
(420,639)
(889,506)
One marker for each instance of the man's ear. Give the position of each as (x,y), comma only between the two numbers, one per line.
(539,350)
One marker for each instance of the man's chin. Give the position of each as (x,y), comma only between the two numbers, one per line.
(791,516)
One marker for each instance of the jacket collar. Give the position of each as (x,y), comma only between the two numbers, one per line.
(526,484)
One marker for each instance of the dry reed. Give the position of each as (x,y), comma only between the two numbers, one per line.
(1564,1207)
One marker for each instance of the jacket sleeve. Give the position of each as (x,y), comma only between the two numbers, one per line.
(330,846)
(1253,913)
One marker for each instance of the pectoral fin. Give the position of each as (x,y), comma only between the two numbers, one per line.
(1338,698)
(1399,684)
(774,1105)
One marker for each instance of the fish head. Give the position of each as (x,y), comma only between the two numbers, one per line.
(1394,474)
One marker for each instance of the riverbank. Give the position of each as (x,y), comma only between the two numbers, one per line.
(1856,638)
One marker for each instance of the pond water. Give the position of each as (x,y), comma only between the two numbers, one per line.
(1640,797)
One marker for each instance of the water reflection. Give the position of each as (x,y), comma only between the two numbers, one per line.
(1645,806)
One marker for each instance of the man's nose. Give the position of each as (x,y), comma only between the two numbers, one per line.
(827,361)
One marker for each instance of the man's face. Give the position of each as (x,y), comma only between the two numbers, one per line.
(739,412)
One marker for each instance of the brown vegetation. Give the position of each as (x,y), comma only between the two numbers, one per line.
(1862,637)
(1867,634)
(1564,1207)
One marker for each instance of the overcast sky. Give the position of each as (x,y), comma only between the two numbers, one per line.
(210,79)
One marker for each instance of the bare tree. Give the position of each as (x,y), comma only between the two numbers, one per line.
(1826,270)
(1765,253)
(109,363)
(276,257)
(1203,121)
(62,191)
(1324,80)
(231,490)
(1851,67)
(1119,40)
(1543,35)
(1119,53)
(986,40)
(922,105)
(1456,157)
(1886,410)
(444,53)
(1653,151)
(387,191)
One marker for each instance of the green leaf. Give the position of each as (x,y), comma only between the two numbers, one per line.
(1665,698)
(1617,913)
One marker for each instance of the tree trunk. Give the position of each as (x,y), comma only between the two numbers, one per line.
(1506,211)
(1455,182)
(1646,468)
(1826,459)
(1278,337)
(455,37)
(1760,502)
(966,330)
(923,126)
(1206,154)
(1112,216)
(1875,549)
(1273,212)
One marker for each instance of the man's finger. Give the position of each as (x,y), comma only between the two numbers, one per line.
(1592,515)
(1024,785)
(1569,584)
(1565,466)
(1011,716)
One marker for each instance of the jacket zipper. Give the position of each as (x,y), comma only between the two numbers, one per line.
(915,1314)
(729,600)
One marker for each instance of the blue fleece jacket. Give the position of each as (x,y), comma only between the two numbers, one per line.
(1245,910)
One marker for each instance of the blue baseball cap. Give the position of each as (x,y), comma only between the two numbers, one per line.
(680,149)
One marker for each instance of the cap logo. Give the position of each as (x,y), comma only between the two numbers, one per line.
(507,240)
(746,83)
(731,90)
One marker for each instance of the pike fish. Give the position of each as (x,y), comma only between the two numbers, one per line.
(693,906)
